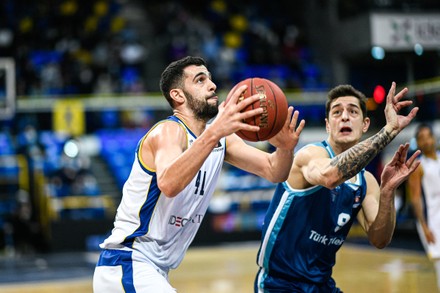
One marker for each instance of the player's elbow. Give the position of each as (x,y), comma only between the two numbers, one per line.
(330,181)
(380,244)
(331,184)
(283,178)
(168,188)
(278,178)
(326,177)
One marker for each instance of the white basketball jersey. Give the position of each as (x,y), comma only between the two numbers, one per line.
(159,229)
(431,193)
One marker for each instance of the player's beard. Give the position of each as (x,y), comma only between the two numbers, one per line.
(201,108)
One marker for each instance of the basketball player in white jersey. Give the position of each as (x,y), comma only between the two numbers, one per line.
(424,188)
(175,171)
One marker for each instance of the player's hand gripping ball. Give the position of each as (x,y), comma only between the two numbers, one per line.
(274,104)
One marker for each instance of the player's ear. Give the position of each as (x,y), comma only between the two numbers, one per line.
(327,126)
(178,96)
(366,124)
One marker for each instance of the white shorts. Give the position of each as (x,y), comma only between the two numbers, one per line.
(432,250)
(117,273)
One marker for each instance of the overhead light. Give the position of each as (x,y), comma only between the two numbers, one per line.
(378,53)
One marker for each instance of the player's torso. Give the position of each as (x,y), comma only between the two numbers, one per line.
(319,219)
(305,228)
(182,215)
(430,186)
(159,228)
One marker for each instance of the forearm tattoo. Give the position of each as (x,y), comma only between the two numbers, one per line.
(353,160)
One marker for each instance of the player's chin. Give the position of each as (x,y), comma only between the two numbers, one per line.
(213,101)
(347,138)
(350,134)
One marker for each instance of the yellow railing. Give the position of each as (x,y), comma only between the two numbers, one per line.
(57,204)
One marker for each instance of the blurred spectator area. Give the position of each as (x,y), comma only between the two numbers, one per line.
(69,47)
(46,177)
(239,39)
(74,47)
(118,149)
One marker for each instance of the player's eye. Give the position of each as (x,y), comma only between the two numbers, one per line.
(354,111)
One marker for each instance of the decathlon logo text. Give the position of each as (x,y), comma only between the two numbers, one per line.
(182,221)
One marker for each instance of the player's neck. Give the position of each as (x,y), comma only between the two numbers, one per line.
(339,147)
(431,154)
(197,126)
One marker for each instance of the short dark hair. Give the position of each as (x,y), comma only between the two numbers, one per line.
(422,126)
(173,76)
(343,91)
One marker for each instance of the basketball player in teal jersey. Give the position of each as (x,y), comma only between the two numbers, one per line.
(175,170)
(311,213)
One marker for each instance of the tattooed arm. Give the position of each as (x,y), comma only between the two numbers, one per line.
(353,160)
(312,165)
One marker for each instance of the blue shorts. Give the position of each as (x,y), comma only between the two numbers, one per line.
(267,283)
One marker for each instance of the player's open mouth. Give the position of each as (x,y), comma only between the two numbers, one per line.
(345,130)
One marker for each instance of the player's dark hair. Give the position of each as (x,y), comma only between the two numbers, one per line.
(343,91)
(422,126)
(173,76)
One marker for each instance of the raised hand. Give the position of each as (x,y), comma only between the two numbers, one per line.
(230,119)
(394,104)
(399,168)
(288,136)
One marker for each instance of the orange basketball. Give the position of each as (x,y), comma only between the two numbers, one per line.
(272,100)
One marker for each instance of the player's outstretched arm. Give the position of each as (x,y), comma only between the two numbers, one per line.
(176,164)
(285,142)
(378,207)
(274,167)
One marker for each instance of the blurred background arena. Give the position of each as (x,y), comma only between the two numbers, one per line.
(79,86)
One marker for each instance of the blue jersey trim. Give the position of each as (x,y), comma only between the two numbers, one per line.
(177,119)
(145,213)
(289,193)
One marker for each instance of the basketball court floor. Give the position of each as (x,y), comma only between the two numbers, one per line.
(229,268)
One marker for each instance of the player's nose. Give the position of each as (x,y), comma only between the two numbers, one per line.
(212,86)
